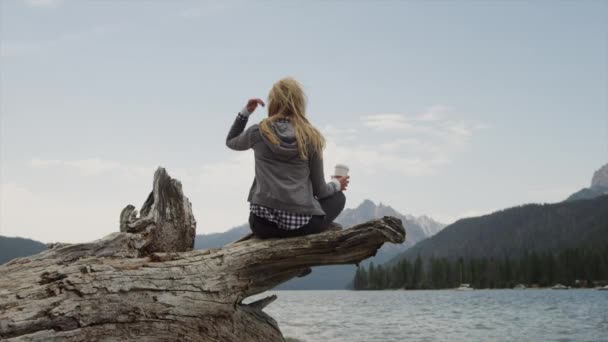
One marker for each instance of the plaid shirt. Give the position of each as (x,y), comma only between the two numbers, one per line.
(284,219)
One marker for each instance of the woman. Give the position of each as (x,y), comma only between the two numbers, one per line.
(289,195)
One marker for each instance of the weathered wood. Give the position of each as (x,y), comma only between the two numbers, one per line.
(166,223)
(132,287)
(264,302)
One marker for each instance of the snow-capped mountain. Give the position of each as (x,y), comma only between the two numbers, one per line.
(416,228)
(428,225)
(339,277)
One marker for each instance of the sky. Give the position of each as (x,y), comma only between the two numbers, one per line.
(446,109)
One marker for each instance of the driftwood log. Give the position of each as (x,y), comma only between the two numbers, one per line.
(145,283)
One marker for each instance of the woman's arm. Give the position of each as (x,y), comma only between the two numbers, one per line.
(237,139)
(320,188)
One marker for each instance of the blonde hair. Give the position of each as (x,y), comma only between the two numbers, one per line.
(287,100)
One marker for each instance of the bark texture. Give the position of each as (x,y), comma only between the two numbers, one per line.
(166,222)
(145,284)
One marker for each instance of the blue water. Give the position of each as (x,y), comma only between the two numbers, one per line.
(480,315)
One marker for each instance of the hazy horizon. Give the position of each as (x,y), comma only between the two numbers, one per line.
(441,109)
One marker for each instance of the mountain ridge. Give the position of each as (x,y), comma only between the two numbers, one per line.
(513,231)
(330,277)
(339,277)
(16,247)
(599,186)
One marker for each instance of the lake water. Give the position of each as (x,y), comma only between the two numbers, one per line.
(480,315)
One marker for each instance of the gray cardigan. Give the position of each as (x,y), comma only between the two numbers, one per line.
(282,180)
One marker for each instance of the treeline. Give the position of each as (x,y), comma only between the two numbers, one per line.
(573,267)
(532,227)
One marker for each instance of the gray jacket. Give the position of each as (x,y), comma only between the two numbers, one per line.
(282,179)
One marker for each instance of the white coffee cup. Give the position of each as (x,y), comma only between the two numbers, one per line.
(341,170)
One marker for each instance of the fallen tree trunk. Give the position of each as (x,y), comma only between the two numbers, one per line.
(145,284)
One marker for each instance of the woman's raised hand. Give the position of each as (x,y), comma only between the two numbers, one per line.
(252,104)
(343,182)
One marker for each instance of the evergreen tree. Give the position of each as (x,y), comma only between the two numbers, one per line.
(418,276)
(583,266)
(371,277)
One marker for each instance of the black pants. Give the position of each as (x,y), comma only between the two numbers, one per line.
(332,206)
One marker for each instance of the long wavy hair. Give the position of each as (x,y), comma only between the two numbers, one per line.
(287,100)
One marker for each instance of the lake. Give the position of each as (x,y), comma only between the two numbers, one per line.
(446,315)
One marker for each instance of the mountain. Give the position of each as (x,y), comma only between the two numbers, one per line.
(599,186)
(429,226)
(417,228)
(600,177)
(512,232)
(340,276)
(327,277)
(216,240)
(588,193)
(11,248)
(14,247)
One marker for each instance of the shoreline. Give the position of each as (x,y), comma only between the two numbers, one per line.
(446,289)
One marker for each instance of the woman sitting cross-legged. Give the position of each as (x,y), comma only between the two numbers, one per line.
(289,195)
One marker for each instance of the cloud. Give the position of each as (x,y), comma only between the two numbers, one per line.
(44,3)
(92,166)
(331,132)
(18,49)
(396,122)
(380,161)
(410,145)
(377,160)
(217,190)
(388,122)
(11,49)
(205,9)
(95,167)
(433,113)
(50,218)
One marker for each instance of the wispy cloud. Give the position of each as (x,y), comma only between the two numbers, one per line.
(379,161)
(19,49)
(49,217)
(217,190)
(204,9)
(44,3)
(388,122)
(94,167)
(410,145)
(11,49)
(397,122)
(332,132)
